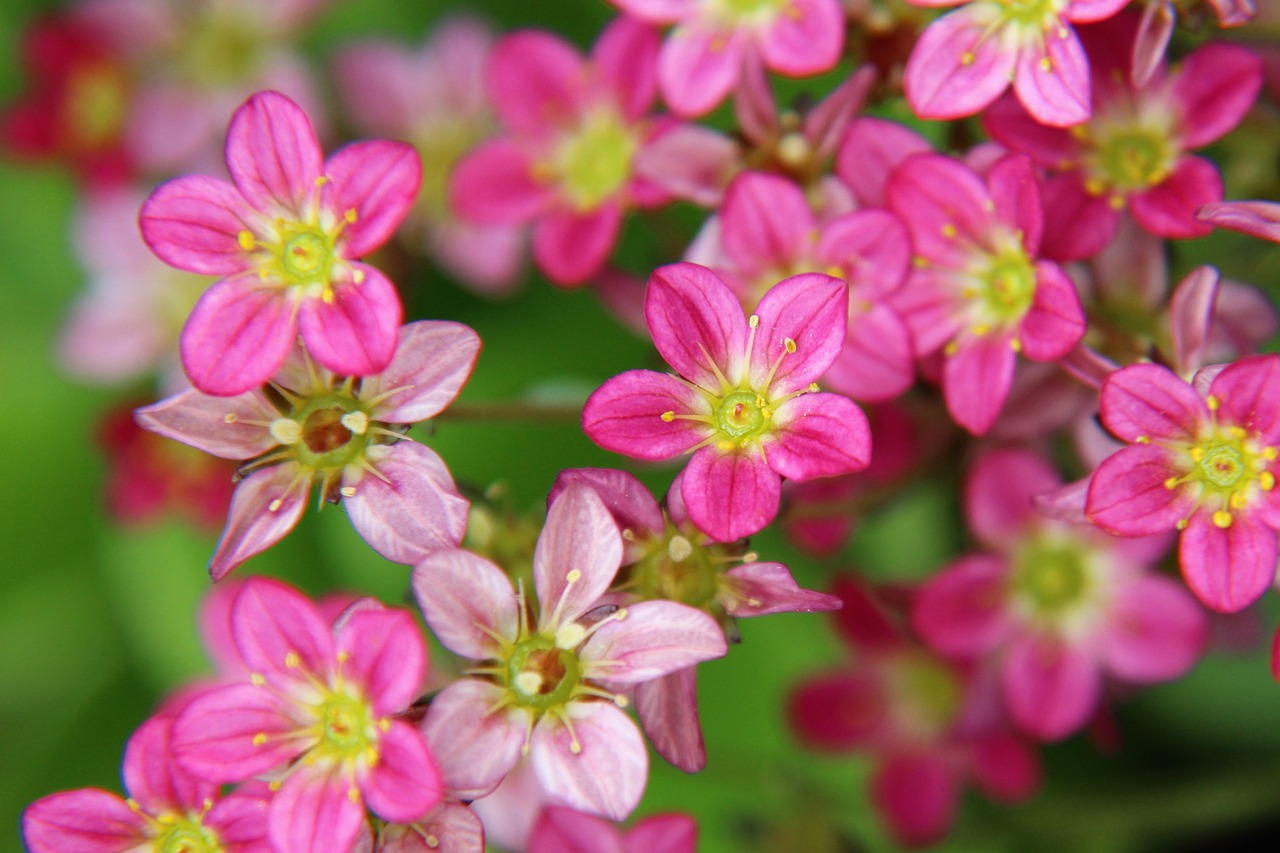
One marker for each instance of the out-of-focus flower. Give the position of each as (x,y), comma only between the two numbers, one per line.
(563,830)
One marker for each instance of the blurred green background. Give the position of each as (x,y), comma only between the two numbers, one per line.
(96,622)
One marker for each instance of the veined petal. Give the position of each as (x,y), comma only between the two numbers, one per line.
(383,652)
(571,246)
(376,182)
(655,638)
(1214,88)
(194,223)
(766,222)
(432,361)
(314,813)
(266,505)
(1145,401)
(1015,192)
(606,774)
(404,784)
(1128,496)
(961,612)
(221,426)
(1246,390)
(577,555)
(410,506)
(494,184)
(800,331)
(628,501)
(805,38)
(1052,78)
(625,415)
(957,67)
(272,153)
(355,332)
(475,741)
(466,600)
(976,380)
(535,81)
(240,819)
(279,632)
(1049,689)
(1257,218)
(697,324)
(88,820)
(235,732)
(1055,321)
(871,248)
(1155,631)
(944,205)
(730,495)
(237,335)
(151,776)
(453,826)
(818,435)
(668,710)
(1228,569)
(826,123)
(1078,224)
(1191,310)
(758,589)
(698,66)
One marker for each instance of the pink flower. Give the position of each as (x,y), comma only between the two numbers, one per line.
(167,809)
(310,425)
(574,133)
(542,690)
(979,292)
(1255,218)
(704,57)
(1134,151)
(1057,605)
(562,830)
(286,237)
(1201,459)
(318,709)
(966,58)
(744,402)
(1156,29)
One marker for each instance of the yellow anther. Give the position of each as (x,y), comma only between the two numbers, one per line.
(668,416)
(275,505)
(257,680)
(291,660)
(358,276)
(357,422)
(1182,524)
(621,701)
(1015,345)
(384,724)
(919,262)
(260,738)
(349,214)
(1095,186)
(573,577)
(432,841)
(230,418)
(1212,402)
(951,348)
(1222,519)
(347,491)
(133,804)
(1238,500)
(813,387)
(286,431)
(353,794)
(275,785)
(1171,483)
(343,657)
(322,180)
(1116,202)
(1266,481)
(753,321)
(246,241)
(949,231)
(789,345)
(967,58)
(1196,453)
(725,446)
(1142,439)
(1046,64)
(981,329)
(1237,432)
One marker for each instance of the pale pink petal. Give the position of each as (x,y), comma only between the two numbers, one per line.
(375,182)
(629,502)
(818,435)
(758,589)
(474,741)
(625,56)
(221,426)
(871,149)
(383,652)
(1055,322)
(826,123)
(730,495)
(625,415)
(963,611)
(765,222)
(534,79)
(805,38)
(432,361)
(580,538)
(698,66)
(956,68)
(1087,11)
(655,638)
(696,323)
(217,738)
(1246,391)
(449,828)
(237,335)
(1052,78)
(1214,88)
(1191,316)
(1154,32)
(495,184)
(404,785)
(668,711)
(1145,401)
(563,830)
(110,336)
(689,161)
(1169,208)
(312,813)
(1233,13)
(1128,496)
(88,820)
(877,362)
(1155,631)
(1228,569)
(355,332)
(571,246)
(658,11)
(976,380)
(194,222)
(606,774)
(487,258)
(265,507)
(272,154)
(1050,690)
(917,795)
(279,633)
(466,600)
(409,507)
(800,331)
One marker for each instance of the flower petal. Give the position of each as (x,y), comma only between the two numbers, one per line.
(625,56)
(235,732)
(629,502)
(494,184)
(466,600)
(1246,393)
(668,711)
(571,246)
(404,785)
(818,435)
(1155,631)
(1214,88)
(1128,496)
(799,333)
(1052,77)
(999,493)
(577,555)
(153,779)
(272,154)
(355,332)
(758,589)
(474,739)
(698,66)
(697,324)
(625,415)
(313,813)
(237,335)
(730,495)
(266,505)
(534,80)
(871,149)
(805,38)
(377,182)
(607,772)
(88,820)
(917,794)
(1228,569)
(564,830)
(1169,208)
(194,223)
(654,639)
(1049,689)
(221,426)
(279,632)
(383,652)
(962,611)
(956,68)
(766,223)
(1145,401)
(976,380)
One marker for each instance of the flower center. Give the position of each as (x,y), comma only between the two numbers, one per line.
(306,256)
(1130,159)
(326,433)
(742,414)
(1052,578)
(678,569)
(345,730)
(749,11)
(926,695)
(594,163)
(541,675)
(1030,13)
(1001,288)
(182,834)
(1230,466)
(95,104)
(1222,466)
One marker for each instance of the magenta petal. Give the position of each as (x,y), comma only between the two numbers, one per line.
(655,638)
(626,57)
(1009,123)
(272,153)
(153,779)
(474,741)
(1145,401)
(1216,85)
(571,246)
(1005,767)
(404,785)
(378,182)
(730,495)
(625,415)
(1078,224)
(940,84)
(607,774)
(313,813)
(877,362)
(1169,209)
(839,712)
(1050,689)
(1055,322)
(465,600)
(222,426)
(579,537)
(873,251)
(355,332)
(818,435)
(563,830)
(216,737)
(237,335)
(240,819)
(1155,631)
(266,505)
(871,148)
(432,361)
(410,507)
(668,711)
(1228,569)
(1127,494)
(1015,192)
(698,66)
(494,184)
(1257,218)
(936,196)
(805,38)
(383,652)
(1053,82)
(976,380)
(766,223)
(663,833)
(194,222)
(279,632)
(534,80)
(917,795)
(800,331)
(758,589)
(1246,392)
(963,611)
(697,324)
(88,820)
(999,492)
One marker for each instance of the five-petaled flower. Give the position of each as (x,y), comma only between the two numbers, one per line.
(286,236)
(745,403)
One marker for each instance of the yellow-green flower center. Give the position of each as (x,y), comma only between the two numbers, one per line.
(326,433)
(1052,578)
(592,164)
(743,415)
(1037,14)
(1000,287)
(183,834)
(1129,160)
(927,695)
(541,675)
(95,104)
(1229,466)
